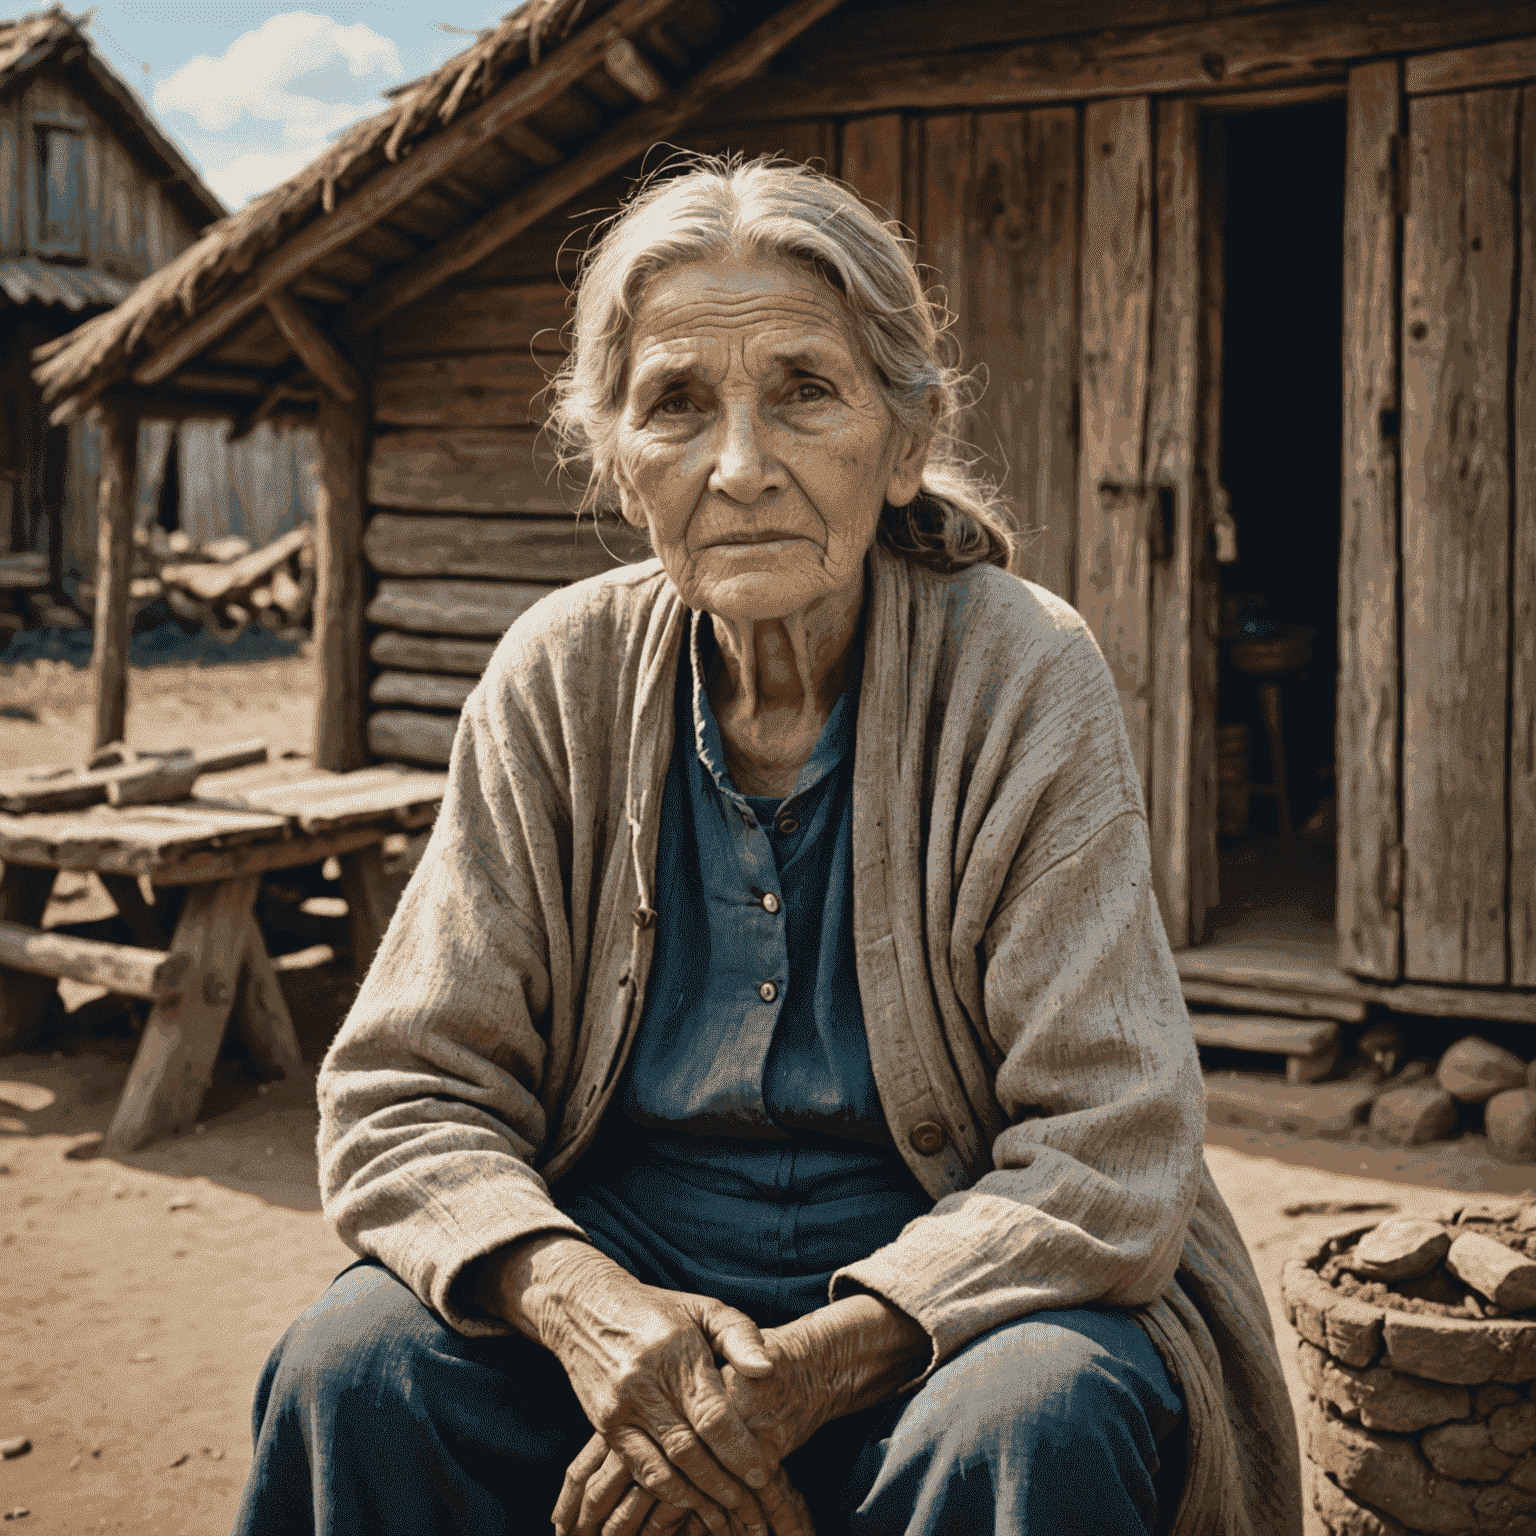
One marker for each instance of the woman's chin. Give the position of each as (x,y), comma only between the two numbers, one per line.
(777,587)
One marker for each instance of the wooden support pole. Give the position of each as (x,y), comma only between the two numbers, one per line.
(316,350)
(117,490)
(120,968)
(339,594)
(24,893)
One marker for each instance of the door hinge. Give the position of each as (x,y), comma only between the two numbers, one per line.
(1400,170)
(1392,876)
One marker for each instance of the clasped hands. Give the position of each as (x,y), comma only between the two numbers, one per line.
(683,1446)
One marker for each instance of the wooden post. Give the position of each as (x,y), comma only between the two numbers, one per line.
(116,493)
(339,596)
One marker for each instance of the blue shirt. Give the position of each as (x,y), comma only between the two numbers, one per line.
(746,1154)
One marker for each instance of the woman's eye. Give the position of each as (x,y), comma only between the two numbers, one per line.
(674,405)
(809,393)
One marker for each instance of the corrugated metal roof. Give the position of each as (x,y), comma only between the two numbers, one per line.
(26,280)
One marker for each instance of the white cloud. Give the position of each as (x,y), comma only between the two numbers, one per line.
(254,77)
(249,174)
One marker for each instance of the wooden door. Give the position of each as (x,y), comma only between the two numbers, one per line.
(1437,718)
(1142,506)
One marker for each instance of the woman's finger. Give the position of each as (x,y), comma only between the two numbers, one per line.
(714,1420)
(588,1460)
(734,1335)
(651,1469)
(605,1489)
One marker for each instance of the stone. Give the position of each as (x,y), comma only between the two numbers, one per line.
(1459,1350)
(1401,1249)
(1388,1473)
(1353,1330)
(1506,1510)
(1409,1117)
(1506,1277)
(1341,1515)
(16,1445)
(1510,1121)
(1307,1299)
(1526,1220)
(1523,1476)
(1513,1428)
(1473,1070)
(1488,1400)
(1256,1101)
(1465,1452)
(1379,1398)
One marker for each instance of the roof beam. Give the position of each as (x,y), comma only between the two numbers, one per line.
(390,186)
(316,350)
(629,137)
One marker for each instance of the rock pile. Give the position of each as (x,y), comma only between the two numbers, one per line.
(1418,1348)
(1473,1079)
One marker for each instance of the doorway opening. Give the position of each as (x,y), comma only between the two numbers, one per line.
(1281,452)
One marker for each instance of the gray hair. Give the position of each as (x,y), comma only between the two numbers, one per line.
(722,205)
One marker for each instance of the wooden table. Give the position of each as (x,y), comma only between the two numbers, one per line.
(237,827)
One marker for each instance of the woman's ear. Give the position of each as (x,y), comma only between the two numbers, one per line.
(630,508)
(911,461)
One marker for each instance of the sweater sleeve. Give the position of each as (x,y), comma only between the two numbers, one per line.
(1096,1171)
(430,1096)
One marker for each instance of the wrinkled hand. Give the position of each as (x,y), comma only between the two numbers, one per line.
(783,1410)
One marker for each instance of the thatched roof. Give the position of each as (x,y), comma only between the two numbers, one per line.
(55,37)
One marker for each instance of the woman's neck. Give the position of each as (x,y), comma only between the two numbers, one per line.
(772,683)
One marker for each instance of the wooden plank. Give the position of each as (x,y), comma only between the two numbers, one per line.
(1172,444)
(411,736)
(1215,994)
(516,549)
(1461,69)
(129,842)
(174,1062)
(331,368)
(871,161)
(338,628)
(946,174)
(1113,559)
(261,1014)
(420,690)
(117,496)
(1257,1102)
(1255,1032)
(391,186)
(121,968)
(1458,274)
(428,653)
(203,865)
(38,790)
(631,137)
(324,805)
(24,997)
(528,319)
(1522,617)
(1021,298)
(452,607)
(480,389)
(1265,49)
(467,470)
(1367,913)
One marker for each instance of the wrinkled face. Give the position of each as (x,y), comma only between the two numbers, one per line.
(753,441)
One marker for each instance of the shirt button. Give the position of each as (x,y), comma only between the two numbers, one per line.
(927,1137)
(770,902)
(768,991)
(788,824)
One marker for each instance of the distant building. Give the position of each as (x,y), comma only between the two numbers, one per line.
(94,197)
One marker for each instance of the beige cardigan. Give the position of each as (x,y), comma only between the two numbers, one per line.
(1017,986)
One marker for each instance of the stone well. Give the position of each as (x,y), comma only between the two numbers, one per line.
(1418,1421)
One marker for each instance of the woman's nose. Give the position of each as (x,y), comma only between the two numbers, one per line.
(744,465)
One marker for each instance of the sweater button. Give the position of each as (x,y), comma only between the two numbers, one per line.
(644,916)
(768,991)
(787,824)
(770,902)
(927,1137)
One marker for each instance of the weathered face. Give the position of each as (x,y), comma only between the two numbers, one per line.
(753,441)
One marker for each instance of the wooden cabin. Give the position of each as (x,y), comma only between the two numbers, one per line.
(93,197)
(1153,221)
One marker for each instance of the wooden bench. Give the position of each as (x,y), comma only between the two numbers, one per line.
(237,826)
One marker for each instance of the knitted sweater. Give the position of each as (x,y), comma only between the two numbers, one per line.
(1028,1036)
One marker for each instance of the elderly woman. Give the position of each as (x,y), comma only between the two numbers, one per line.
(776,1065)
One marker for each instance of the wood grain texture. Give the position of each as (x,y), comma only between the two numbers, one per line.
(1461,69)
(24,894)
(116,497)
(368,906)
(411,736)
(1522,617)
(324,359)
(477,389)
(452,607)
(133,841)
(494,319)
(120,968)
(339,593)
(467,470)
(1367,917)
(420,690)
(198,866)
(174,1062)
(431,653)
(871,161)
(1172,433)
(516,549)
(1458,270)
(261,1016)
(1113,563)
(946,166)
(1021,325)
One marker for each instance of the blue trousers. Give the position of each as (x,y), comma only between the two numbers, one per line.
(373,1417)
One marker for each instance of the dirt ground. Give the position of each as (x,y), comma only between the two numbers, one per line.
(139,1297)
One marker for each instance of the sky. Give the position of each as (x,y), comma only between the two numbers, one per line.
(254,91)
